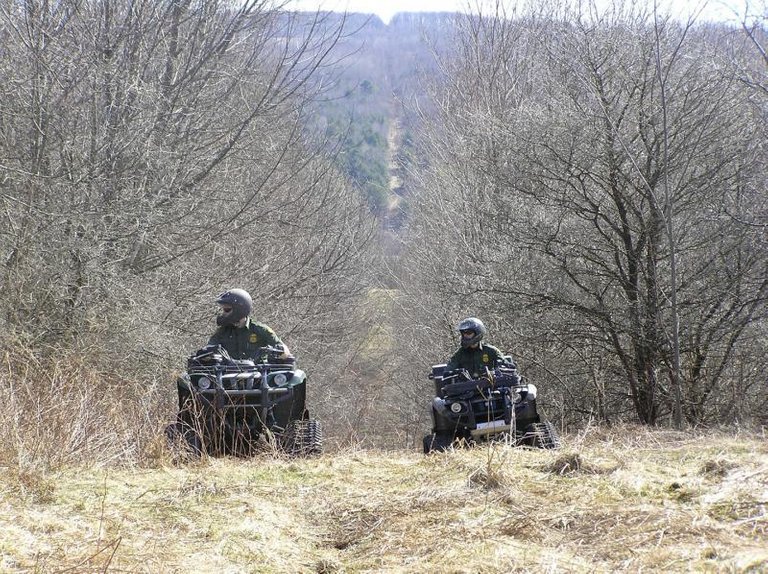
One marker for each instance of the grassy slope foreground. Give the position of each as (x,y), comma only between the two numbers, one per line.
(622,500)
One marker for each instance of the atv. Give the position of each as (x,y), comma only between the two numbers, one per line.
(236,407)
(498,405)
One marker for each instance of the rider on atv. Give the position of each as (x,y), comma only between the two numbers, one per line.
(237,333)
(473,355)
(479,395)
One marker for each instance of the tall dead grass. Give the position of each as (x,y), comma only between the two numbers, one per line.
(58,408)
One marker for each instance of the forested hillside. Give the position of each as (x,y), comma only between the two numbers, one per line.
(591,183)
(366,109)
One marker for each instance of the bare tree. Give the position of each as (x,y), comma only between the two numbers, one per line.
(153,154)
(546,206)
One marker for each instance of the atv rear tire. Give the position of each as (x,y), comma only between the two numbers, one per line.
(541,435)
(303,438)
(438,442)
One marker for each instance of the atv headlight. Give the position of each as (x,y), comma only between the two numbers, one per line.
(280,379)
(517,397)
(531,392)
(456,407)
(203,383)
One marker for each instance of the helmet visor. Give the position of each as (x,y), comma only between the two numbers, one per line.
(227,315)
(469,337)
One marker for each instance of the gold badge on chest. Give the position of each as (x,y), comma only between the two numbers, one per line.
(254,338)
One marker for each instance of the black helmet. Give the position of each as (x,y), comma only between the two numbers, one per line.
(471,324)
(240,303)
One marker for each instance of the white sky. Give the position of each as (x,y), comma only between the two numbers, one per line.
(713,9)
(384,9)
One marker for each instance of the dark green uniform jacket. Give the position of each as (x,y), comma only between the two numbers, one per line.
(475,360)
(244,342)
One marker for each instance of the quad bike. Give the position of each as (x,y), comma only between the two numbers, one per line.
(498,405)
(236,407)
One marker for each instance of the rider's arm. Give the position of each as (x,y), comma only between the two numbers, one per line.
(267,337)
(453,362)
(216,338)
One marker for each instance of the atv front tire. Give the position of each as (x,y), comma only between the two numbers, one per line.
(182,441)
(437,442)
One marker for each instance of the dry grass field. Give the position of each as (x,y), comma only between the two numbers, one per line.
(612,500)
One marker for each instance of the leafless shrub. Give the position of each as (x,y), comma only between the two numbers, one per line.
(60,409)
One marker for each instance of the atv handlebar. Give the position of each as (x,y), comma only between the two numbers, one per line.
(277,355)
(458,382)
(501,374)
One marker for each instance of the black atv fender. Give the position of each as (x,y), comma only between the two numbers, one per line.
(438,406)
(443,420)
(526,413)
